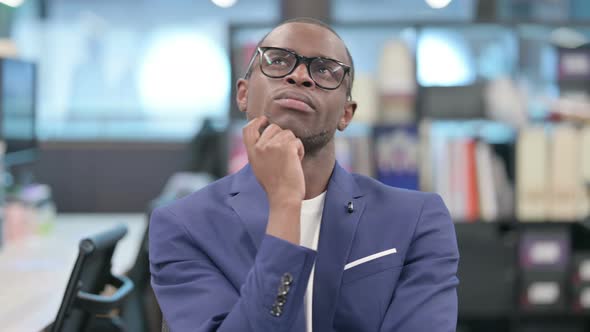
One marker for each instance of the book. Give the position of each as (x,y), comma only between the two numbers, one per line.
(532,172)
(458,181)
(396,155)
(425,156)
(472,212)
(440,168)
(2,186)
(364,92)
(566,185)
(585,168)
(396,83)
(485,180)
(503,188)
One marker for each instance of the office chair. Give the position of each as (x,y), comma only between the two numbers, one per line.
(141,311)
(82,307)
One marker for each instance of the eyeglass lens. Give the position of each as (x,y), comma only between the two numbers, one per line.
(279,63)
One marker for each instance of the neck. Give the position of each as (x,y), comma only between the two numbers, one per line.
(317,169)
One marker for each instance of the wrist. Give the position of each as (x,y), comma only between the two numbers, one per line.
(283,219)
(285,201)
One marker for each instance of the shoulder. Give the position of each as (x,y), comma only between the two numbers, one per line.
(401,211)
(211,198)
(380,193)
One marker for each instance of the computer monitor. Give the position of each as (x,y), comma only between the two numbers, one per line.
(18,110)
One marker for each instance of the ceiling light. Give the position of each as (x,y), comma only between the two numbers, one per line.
(224,3)
(438,4)
(12,3)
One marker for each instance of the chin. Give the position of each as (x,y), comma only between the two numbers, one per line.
(289,122)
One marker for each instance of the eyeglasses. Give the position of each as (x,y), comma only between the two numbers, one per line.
(278,62)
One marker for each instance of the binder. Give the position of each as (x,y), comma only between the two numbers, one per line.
(396,153)
(585,169)
(364,92)
(441,168)
(472,190)
(458,182)
(425,157)
(566,187)
(532,172)
(485,179)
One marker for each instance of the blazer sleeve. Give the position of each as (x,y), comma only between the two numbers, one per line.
(426,296)
(194,295)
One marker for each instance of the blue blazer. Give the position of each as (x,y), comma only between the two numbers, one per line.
(215,269)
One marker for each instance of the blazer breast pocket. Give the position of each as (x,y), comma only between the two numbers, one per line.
(370,265)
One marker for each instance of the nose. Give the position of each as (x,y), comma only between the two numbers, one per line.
(300,77)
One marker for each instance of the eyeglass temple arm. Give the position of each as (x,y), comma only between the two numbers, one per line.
(251,63)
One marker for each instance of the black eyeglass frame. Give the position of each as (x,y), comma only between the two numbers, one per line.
(299,59)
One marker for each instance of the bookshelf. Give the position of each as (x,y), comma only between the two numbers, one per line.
(467,113)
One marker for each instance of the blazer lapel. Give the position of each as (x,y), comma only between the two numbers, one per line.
(337,232)
(249,201)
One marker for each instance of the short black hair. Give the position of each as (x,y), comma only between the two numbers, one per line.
(308,20)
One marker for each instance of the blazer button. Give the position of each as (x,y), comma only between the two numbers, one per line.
(281,300)
(287,279)
(276,310)
(284,289)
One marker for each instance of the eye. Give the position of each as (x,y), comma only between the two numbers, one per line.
(326,69)
(278,61)
(323,70)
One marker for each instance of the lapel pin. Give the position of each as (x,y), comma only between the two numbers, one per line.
(350,207)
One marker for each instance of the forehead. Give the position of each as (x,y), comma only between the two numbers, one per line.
(308,40)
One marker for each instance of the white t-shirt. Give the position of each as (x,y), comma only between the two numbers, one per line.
(311,217)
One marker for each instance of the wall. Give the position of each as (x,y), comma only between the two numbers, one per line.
(108,177)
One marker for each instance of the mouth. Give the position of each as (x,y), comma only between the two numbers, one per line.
(295,101)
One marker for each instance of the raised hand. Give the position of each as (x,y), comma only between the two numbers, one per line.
(275,156)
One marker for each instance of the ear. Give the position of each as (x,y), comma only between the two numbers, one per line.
(349,109)
(242,94)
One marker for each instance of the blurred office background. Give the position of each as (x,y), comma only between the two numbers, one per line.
(108,108)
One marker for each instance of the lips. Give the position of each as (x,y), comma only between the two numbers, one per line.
(295,101)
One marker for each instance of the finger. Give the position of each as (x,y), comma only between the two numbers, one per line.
(269,133)
(283,137)
(251,133)
(300,149)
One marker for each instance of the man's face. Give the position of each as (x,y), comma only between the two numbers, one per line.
(328,109)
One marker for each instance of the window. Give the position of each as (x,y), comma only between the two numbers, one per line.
(127,70)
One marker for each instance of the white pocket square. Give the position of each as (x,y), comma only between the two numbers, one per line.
(369,258)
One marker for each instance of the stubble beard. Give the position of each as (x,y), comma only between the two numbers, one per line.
(315,142)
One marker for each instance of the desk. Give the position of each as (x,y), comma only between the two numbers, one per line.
(34,272)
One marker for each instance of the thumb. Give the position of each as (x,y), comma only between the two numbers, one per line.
(300,150)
